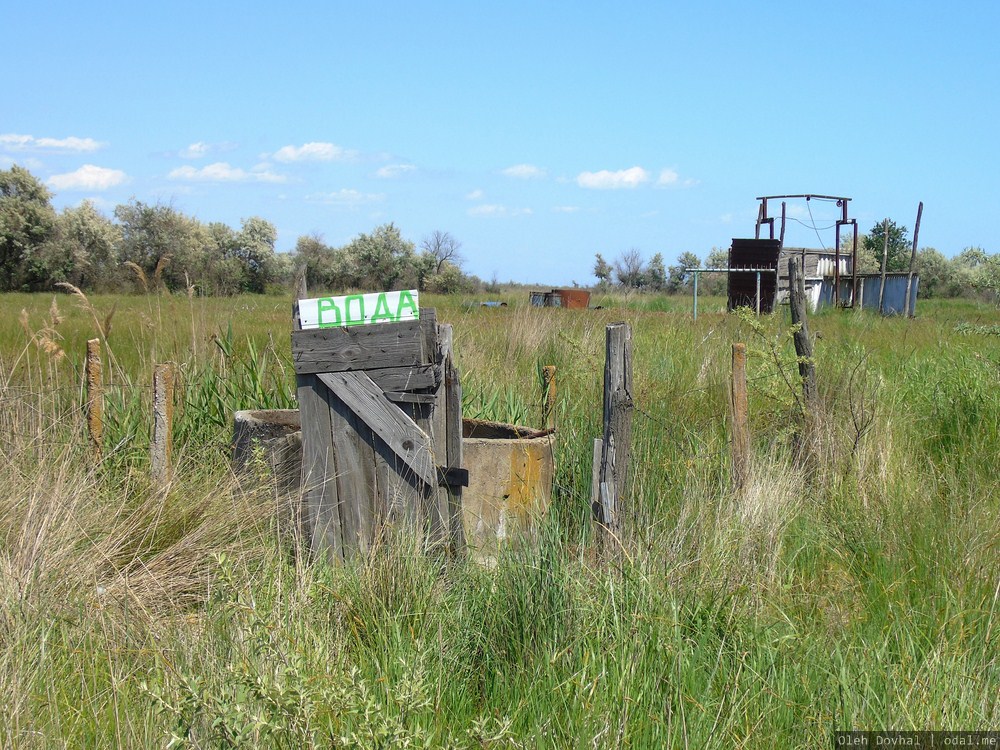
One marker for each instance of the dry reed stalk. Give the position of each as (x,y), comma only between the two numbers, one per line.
(139,273)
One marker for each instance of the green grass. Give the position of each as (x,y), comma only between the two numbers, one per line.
(854,587)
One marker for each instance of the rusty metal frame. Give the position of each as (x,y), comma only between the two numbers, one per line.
(842,201)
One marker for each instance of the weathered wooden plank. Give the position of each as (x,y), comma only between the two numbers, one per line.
(399,432)
(429,328)
(319,486)
(358,348)
(404,378)
(352,446)
(421,510)
(435,503)
(402,397)
(439,426)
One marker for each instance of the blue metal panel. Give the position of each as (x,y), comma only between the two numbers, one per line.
(893,299)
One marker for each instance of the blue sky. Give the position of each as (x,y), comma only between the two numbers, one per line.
(537,134)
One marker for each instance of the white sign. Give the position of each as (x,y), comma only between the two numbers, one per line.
(359,309)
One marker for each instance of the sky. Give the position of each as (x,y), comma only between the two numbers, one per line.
(536,134)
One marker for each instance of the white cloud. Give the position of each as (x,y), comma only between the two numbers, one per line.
(220,171)
(608,180)
(15,142)
(346,198)
(195,151)
(391,171)
(496,211)
(315,151)
(475,195)
(565,209)
(667,177)
(524,172)
(88,177)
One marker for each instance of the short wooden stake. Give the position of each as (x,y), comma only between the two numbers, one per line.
(803,344)
(740,417)
(549,397)
(163,417)
(95,395)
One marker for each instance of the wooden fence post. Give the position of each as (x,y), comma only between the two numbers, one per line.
(163,416)
(549,397)
(803,344)
(95,395)
(740,420)
(913,261)
(618,405)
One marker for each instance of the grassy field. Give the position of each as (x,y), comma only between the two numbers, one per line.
(854,583)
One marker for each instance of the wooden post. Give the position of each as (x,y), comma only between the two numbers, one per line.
(803,345)
(452,438)
(549,397)
(885,260)
(740,418)
(95,395)
(913,261)
(163,417)
(781,237)
(618,406)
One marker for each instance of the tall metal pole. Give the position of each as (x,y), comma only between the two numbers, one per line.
(696,295)
(854,265)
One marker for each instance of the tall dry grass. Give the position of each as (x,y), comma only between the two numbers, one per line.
(852,582)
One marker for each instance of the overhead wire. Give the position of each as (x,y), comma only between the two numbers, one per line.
(815,229)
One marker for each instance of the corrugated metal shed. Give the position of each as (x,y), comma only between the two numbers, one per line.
(571,299)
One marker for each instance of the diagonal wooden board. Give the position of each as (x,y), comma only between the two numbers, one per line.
(403,436)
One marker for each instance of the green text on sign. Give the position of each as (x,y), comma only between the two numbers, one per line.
(359,309)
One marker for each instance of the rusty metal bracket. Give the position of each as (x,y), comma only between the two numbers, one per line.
(450,476)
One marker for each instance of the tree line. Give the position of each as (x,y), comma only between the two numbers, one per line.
(147,247)
(973,273)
